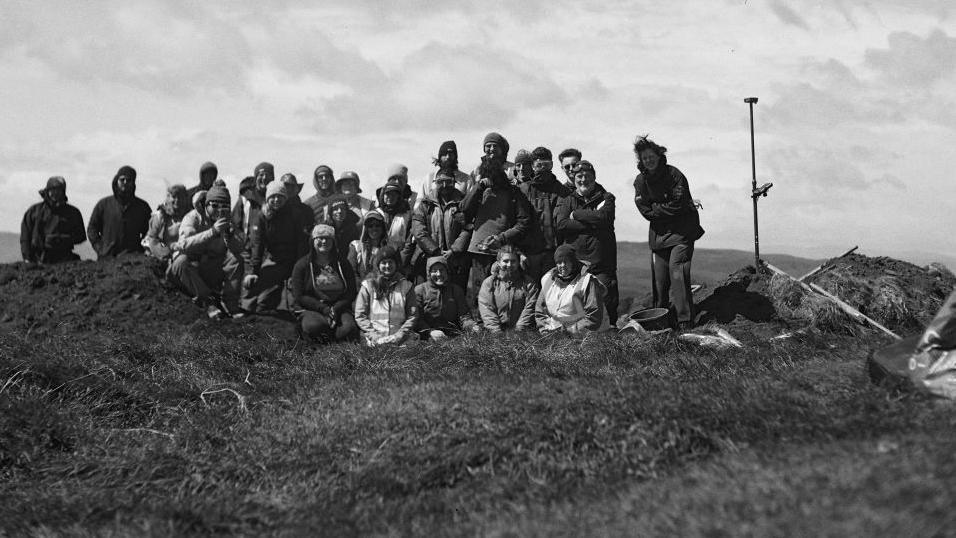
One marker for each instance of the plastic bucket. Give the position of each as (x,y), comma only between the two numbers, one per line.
(653,319)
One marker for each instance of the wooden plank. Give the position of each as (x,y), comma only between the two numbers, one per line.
(826,264)
(853,312)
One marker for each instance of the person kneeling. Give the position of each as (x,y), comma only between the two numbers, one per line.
(571,299)
(386,309)
(442,309)
(507,297)
(323,287)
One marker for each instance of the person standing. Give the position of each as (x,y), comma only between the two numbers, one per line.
(586,220)
(119,222)
(438,229)
(302,212)
(350,186)
(52,227)
(447,163)
(543,192)
(323,179)
(208,174)
(569,159)
(662,196)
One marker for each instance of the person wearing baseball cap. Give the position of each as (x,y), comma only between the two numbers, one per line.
(51,228)
(119,222)
(207,259)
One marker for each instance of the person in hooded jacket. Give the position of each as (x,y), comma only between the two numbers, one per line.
(386,309)
(447,163)
(345,222)
(507,297)
(363,250)
(164,223)
(662,196)
(571,299)
(544,192)
(394,206)
(438,228)
(277,244)
(499,214)
(323,288)
(119,222)
(208,174)
(585,219)
(51,228)
(207,258)
(442,310)
(350,185)
(323,179)
(302,211)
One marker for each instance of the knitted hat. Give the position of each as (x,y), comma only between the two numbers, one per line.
(497,139)
(218,194)
(208,166)
(523,157)
(397,170)
(276,187)
(269,169)
(446,146)
(247,183)
(584,166)
(55,182)
(323,230)
(565,252)
(349,175)
(127,171)
(541,153)
(337,199)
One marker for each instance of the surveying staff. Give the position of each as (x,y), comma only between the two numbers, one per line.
(663,197)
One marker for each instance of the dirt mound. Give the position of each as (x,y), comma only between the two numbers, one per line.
(898,294)
(118,295)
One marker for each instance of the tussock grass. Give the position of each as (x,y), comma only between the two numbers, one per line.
(482,434)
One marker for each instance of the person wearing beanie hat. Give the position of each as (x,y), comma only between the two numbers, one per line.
(265,174)
(571,299)
(349,185)
(522,169)
(164,223)
(373,238)
(323,288)
(507,297)
(494,148)
(662,196)
(447,163)
(386,309)
(397,172)
(50,229)
(207,259)
(585,219)
(208,173)
(438,228)
(442,309)
(119,222)
(278,241)
(543,191)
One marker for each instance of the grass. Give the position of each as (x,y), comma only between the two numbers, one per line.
(133,435)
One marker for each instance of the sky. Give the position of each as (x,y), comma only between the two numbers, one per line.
(855,124)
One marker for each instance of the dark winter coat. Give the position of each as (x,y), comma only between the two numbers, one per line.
(439,227)
(543,192)
(118,224)
(591,231)
(47,233)
(307,297)
(442,307)
(500,210)
(280,236)
(663,197)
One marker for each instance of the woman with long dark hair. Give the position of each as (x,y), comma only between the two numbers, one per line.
(386,309)
(323,288)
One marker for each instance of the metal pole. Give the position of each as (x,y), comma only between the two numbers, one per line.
(753,193)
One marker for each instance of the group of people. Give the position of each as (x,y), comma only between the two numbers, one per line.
(506,247)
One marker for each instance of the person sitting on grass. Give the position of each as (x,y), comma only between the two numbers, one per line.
(386,309)
(571,299)
(202,264)
(507,298)
(363,250)
(323,288)
(164,223)
(442,309)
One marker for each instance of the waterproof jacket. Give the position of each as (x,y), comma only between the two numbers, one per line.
(396,312)
(543,192)
(507,305)
(163,232)
(302,212)
(663,198)
(442,307)
(500,210)
(47,233)
(118,224)
(398,223)
(575,306)
(200,243)
(438,227)
(591,231)
(280,236)
(362,251)
(308,297)
(463,182)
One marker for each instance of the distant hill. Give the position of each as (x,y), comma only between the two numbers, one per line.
(10,248)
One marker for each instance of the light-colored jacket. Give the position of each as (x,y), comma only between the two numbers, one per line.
(395,312)
(198,241)
(507,305)
(576,306)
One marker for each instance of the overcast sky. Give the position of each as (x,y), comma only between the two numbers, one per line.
(856,124)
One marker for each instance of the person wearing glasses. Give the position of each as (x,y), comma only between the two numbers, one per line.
(119,222)
(207,262)
(569,158)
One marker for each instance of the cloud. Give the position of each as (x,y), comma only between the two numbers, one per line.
(788,15)
(914,61)
(444,87)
